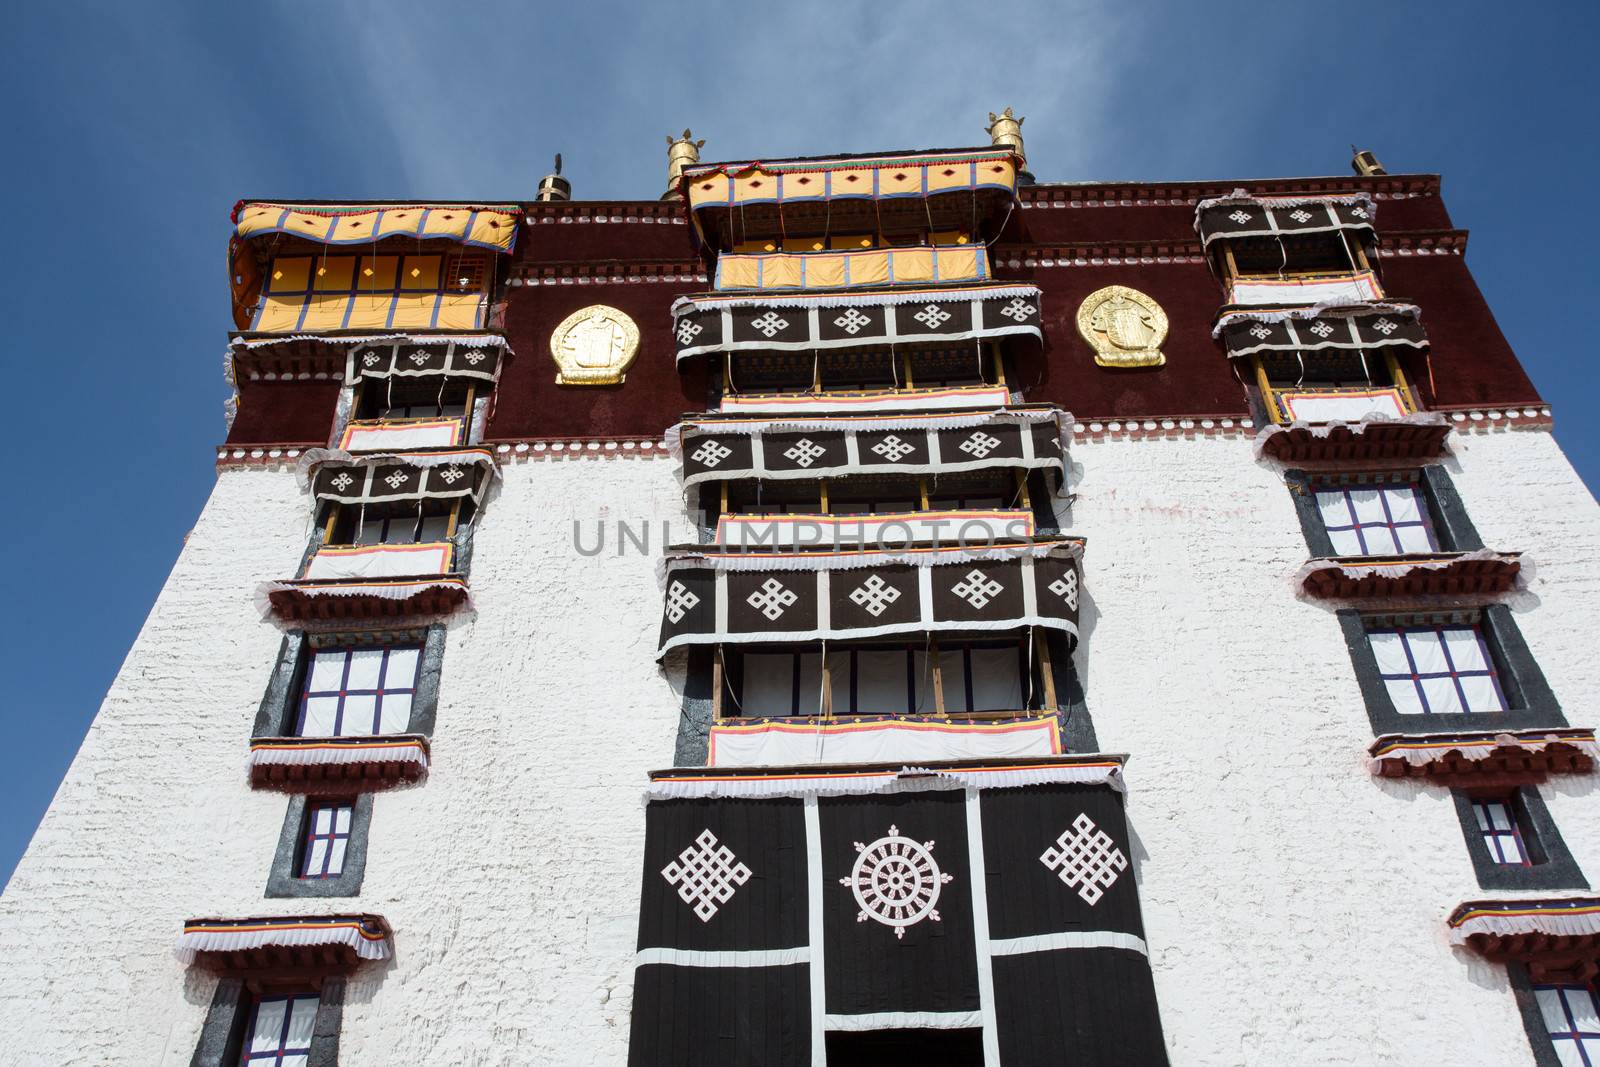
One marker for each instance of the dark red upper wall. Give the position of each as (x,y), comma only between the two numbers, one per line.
(577,254)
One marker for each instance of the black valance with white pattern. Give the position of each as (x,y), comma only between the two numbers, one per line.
(712,323)
(1007,916)
(477,358)
(1355,326)
(443,474)
(719,597)
(1241,215)
(721,450)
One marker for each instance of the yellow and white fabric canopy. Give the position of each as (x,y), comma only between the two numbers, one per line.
(492,226)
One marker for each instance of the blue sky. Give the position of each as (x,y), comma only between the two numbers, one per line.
(134,128)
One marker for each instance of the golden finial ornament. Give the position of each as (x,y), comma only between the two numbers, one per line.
(1005,131)
(682,152)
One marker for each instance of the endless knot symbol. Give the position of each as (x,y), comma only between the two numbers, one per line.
(706,875)
(452,475)
(771,599)
(977,589)
(933,316)
(688,330)
(875,595)
(1018,309)
(679,601)
(1086,857)
(342,481)
(370,359)
(1066,587)
(397,479)
(419,357)
(893,449)
(770,324)
(896,881)
(1241,217)
(1321,329)
(1300,215)
(1359,212)
(473,357)
(1260,332)
(980,444)
(1385,327)
(805,452)
(851,321)
(711,453)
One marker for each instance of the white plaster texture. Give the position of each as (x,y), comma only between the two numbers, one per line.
(1294,904)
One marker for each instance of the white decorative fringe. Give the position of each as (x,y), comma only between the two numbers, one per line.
(1317,311)
(1463,746)
(1239,196)
(832,561)
(222,940)
(1399,568)
(1324,429)
(387,591)
(905,780)
(839,300)
(1580,923)
(401,751)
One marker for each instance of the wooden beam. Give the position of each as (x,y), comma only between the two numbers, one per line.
(1269,398)
(1046,672)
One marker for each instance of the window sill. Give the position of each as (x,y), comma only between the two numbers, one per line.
(1480,573)
(320,764)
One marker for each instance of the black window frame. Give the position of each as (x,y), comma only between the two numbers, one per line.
(1530,701)
(284,880)
(279,710)
(1551,864)
(1452,527)
(222,1035)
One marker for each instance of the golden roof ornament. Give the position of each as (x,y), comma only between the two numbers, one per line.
(1123,326)
(594,346)
(1005,131)
(682,152)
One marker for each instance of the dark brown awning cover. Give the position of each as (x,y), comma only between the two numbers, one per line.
(1240,215)
(1357,326)
(714,597)
(444,474)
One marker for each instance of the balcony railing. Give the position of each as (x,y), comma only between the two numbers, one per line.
(333,562)
(1337,403)
(392,435)
(1311,287)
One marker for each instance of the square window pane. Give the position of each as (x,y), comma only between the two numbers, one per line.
(1404,504)
(1568,1055)
(880,684)
(1331,504)
(434,528)
(267,1033)
(1415,538)
(996,679)
(394,713)
(768,684)
(1426,651)
(316,856)
(1466,651)
(317,717)
(336,857)
(1368,506)
(370,532)
(401,672)
(1555,1016)
(1389,649)
(341,819)
(1481,693)
(359,712)
(1441,696)
(322,820)
(365,666)
(1499,816)
(1381,540)
(327,672)
(1345,543)
(1403,693)
(1581,1003)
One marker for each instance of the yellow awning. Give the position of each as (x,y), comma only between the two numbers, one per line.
(917,174)
(476,225)
(842,270)
(342,292)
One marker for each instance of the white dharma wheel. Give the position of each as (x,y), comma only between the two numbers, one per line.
(896,881)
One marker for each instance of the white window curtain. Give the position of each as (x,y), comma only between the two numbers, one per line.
(1376,520)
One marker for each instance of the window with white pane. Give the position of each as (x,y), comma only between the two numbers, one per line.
(1500,830)
(360,691)
(1376,520)
(1437,670)
(1572,1019)
(406,528)
(280,1033)
(327,839)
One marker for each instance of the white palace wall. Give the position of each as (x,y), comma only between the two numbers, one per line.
(1294,906)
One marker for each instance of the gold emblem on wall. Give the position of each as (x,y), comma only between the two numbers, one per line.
(1123,326)
(594,346)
